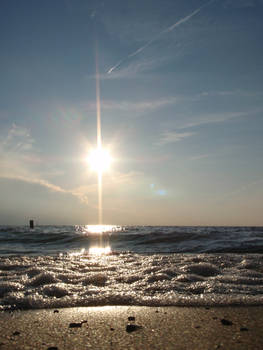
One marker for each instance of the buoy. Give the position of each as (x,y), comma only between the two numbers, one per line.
(31,223)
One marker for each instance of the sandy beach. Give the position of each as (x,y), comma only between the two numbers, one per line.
(132,327)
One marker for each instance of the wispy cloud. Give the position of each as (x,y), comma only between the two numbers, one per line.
(17,157)
(200,156)
(236,92)
(138,107)
(210,118)
(135,68)
(173,136)
(18,139)
(160,34)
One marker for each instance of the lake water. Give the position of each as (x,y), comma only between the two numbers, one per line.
(62,266)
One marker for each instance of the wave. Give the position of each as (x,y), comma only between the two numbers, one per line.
(139,239)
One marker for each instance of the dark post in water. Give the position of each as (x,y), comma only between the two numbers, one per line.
(31,223)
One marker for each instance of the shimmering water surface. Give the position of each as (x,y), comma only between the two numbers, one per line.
(62,266)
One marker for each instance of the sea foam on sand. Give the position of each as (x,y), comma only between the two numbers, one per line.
(34,282)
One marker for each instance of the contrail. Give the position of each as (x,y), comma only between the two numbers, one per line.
(169,29)
(114,67)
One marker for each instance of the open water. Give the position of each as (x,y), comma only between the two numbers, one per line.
(63,266)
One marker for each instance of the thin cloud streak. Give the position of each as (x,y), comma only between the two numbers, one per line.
(17,153)
(38,181)
(214,118)
(133,70)
(17,156)
(236,92)
(137,107)
(167,30)
(173,136)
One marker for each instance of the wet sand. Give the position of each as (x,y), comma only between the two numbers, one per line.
(131,327)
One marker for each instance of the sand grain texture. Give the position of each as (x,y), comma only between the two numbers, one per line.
(154,328)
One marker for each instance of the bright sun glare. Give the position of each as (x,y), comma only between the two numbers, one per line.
(99,160)
(100,250)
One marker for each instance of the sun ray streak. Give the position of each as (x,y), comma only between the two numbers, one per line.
(100,198)
(98,138)
(98,102)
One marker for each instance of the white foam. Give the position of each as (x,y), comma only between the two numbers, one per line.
(131,279)
(42,278)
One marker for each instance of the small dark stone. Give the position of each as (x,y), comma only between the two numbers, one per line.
(52,348)
(243,329)
(112,329)
(132,327)
(16,333)
(215,318)
(56,311)
(75,325)
(157,311)
(207,308)
(197,327)
(226,322)
(131,318)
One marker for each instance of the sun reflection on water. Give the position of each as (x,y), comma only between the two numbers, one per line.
(98,238)
(101,247)
(100,250)
(77,253)
(97,229)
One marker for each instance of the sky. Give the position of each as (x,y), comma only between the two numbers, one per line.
(181,88)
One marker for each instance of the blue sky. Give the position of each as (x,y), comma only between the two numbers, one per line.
(181,107)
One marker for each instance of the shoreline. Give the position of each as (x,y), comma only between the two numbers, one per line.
(133,327)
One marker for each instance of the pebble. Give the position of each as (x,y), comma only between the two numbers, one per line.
(131,318)
(56,311)
(132,327)
(52,348)
(243,329)
(16,333)
(226,322)
(75,325)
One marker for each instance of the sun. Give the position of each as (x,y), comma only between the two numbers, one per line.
(99,160)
